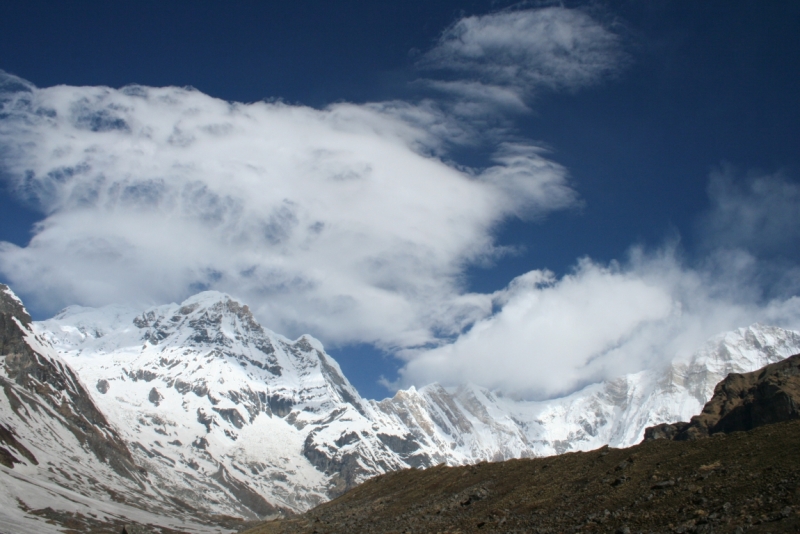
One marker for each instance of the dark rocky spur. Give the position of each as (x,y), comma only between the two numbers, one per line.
(742,402)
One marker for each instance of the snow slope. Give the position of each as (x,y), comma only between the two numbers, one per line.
(473,424)
(221,410)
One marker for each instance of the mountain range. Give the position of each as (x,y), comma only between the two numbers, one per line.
(196,413)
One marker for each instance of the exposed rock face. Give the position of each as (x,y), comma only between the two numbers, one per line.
(742,402)
(29,365)
(61,459)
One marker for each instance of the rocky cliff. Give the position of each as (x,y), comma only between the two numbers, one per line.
(35,379)
(62,461)
(742,402)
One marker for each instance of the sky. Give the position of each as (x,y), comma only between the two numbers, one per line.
(529,196)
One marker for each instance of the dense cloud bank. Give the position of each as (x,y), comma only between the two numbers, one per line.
(352,222)
(342,221)
(552,335)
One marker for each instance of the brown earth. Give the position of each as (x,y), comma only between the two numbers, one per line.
(743,481)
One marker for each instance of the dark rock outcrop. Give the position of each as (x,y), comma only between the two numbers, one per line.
(46,382)
(7,457)
(742,402)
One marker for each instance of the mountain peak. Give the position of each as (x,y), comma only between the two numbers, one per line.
(207,299)
(201,387)
(207,318)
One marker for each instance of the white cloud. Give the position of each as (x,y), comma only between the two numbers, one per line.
(351,223)
(478,100)
(525,50)
(343,222)
(551,336)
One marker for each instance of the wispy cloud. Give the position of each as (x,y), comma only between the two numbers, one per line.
(759,213)
(519,52)
(476,100)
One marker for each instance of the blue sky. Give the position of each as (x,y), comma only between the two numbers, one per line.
(535,168)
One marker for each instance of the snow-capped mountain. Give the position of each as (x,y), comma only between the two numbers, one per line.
(60,457)
(227,417)
(222,411)
(474,424)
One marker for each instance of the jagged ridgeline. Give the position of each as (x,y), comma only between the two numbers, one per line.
(212,417)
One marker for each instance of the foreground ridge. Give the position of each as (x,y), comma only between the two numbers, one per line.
(726,483)
(742,402)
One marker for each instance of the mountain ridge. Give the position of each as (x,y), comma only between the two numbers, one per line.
(227,417)
(415,428)
(743,438)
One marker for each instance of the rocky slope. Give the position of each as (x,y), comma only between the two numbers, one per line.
(724,483)
(35,379)
(742,402)
(745,481)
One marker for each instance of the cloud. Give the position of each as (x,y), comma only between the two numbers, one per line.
(353,223)
(345,222)
(478,101)
(517,52)
(549,336)
(552,336)
(758,213)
